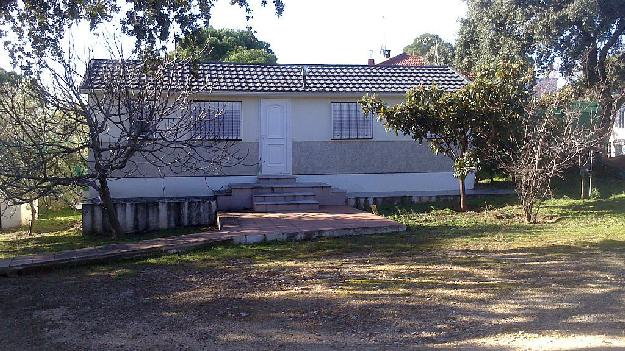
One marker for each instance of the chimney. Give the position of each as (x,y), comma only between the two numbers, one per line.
(371,62)
(304,74)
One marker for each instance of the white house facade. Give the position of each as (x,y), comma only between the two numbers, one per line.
(616,146)
(305,121)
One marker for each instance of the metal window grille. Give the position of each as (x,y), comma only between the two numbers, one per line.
(217,120)
(348,121)
(140,117)
(621,119)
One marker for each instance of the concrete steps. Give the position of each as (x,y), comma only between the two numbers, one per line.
(277,197)
(276,179)
(278,185)
(276,193)
(286,206)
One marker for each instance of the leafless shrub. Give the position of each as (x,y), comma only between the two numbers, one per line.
(555,132)
(66,127)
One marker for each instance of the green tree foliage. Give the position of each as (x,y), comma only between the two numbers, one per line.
(432,48)
(493,30)
(586,36)
(6,77)
(468,125)
(39,26)
(227,45)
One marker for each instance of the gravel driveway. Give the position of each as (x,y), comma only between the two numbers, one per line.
(516,300)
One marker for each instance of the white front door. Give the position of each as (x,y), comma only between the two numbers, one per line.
(275,141)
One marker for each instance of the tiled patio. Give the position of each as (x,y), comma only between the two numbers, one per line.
(329,221)
(236,227)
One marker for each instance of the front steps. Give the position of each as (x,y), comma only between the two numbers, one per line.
(284,206)
(279,193)
(275,179)
(285,201)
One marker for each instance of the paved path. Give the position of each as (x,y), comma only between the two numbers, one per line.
(236,227)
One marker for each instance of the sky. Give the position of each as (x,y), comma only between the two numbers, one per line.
(345,31)
(323,31)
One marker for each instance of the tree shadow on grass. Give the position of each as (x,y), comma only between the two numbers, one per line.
(611,206)
(54,235)
(570,186)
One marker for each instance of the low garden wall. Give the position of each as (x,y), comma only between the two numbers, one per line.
(150,214)
(363,202)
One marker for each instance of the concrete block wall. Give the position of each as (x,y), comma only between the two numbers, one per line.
(151,214)
(365,202)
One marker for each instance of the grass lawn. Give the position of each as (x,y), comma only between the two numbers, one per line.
(481,280)
(493,223)
(61,230)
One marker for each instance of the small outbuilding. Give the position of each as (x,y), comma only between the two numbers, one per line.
(13,216)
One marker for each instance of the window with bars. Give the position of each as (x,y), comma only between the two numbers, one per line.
(141,118)
(217,120)
(620,121)
(349,122)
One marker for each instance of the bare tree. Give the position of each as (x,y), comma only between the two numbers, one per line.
(71,127)
(553,136)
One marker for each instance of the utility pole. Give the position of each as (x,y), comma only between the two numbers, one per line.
(590,173)
(581,177)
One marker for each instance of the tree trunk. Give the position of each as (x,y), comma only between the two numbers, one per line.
(108,207)
(463,204)
(528,209)
(33,217)
(582,188)
(529,215)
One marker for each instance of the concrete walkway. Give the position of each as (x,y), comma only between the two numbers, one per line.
(236,227)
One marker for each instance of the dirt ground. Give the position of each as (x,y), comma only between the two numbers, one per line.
(509,300)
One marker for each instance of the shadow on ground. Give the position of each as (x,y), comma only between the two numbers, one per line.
(409,291)
(351,300)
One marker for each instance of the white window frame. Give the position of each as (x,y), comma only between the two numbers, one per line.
(351,107)
(209,126)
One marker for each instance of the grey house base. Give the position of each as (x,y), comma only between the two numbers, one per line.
(151,214)
(364,201)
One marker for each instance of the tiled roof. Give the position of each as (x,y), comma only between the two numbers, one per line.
(404,59)
(312,78)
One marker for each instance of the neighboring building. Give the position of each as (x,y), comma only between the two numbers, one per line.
(14,216)
(404,59)
(305,121)
(546,85)
(616,145)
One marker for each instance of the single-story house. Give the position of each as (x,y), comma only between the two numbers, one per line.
(302,123)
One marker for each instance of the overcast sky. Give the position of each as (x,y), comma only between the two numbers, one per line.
(326,31)
(345,31)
